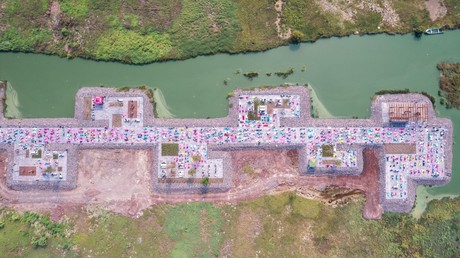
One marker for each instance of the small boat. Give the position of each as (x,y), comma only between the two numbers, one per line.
(433,31)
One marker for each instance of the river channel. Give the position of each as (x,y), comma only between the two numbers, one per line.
(345,72)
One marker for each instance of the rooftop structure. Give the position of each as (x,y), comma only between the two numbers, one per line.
(189,150)
(408,111)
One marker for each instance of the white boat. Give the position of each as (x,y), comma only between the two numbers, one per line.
(433,31)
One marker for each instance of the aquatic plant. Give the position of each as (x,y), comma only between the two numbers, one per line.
(396,91)
(286,73)
(230,94)
(449,83)
(251,75)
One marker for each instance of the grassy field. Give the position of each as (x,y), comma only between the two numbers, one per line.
(283,225)
(138,32)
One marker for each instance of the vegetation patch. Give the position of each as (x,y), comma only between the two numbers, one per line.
(31,234)
(178,29)
(14,39)
(132,47)
(196,230)
(249,170)
(449,84)
(253,114)
(270,226)
(286,73)
(327,150)
(78,10)
(396,91)
(37,155)
(251,75)
(204,27)
(169,149)
(256,26)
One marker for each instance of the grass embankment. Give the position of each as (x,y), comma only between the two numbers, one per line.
(140,32)
(449,83)
(273,226)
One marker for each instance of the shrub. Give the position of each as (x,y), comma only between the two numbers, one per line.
(296,37)
(286,73)
(41,241)
(192,172)
(230,94)
(251,75)
(382,92)
(205,181)
(65,32)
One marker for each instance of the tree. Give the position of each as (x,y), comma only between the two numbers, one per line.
(205,181)
(296,37)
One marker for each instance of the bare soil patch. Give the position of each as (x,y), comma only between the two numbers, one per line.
(265,163)
(436,8)
(132,109)
(116,120)
(400,148)
(118,178)
(283,32)
(27,171)
(87,108)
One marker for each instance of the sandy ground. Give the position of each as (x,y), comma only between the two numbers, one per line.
(119,180)
(347,10)
(283,33)
(436,8)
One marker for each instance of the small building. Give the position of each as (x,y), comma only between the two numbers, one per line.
(98,100)
(403,112)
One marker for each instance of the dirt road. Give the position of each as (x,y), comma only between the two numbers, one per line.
(119,180)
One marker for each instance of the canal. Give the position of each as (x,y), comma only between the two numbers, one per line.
(345,72)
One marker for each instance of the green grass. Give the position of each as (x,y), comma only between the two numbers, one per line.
(327,150)
(204,27)
(78,10)
(169,149)
(283,225)
(414,13)
(196,230)
(132,47)
(257,30)
(140,32)
(33,235)
(26,41)
(307,17)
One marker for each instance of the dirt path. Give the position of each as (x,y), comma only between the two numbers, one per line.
(282,32)
(119,181)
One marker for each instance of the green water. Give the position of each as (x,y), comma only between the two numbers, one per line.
(345,72)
